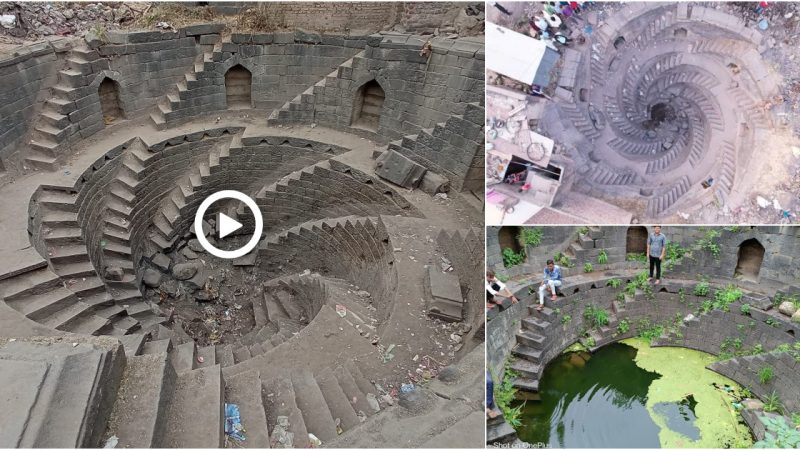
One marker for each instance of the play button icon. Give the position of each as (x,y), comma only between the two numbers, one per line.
(228,225)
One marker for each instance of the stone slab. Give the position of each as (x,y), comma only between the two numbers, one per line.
(20,382)
(398,169)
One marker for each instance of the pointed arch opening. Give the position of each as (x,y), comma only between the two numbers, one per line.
(110,105)
(367,106)
(750,257)
(636,240)
(239,87)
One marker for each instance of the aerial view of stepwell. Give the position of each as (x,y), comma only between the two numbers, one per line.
(592,344)
(333,304)
(643,112)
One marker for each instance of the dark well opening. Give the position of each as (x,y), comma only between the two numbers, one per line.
(109,101)
(509,238)
(636,240)
(238,87)
(751,255)
(680,33)
(619,42)
(367,106)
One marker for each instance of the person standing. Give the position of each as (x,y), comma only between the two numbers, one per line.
(656,250)
(501,8)
(552,280)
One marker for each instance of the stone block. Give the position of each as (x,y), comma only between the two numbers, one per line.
(446,301)
(400,170)
(205,28)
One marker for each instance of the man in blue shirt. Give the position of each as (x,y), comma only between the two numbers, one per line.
(552,280)
(656,250)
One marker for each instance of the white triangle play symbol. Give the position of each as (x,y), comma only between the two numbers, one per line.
(227,225)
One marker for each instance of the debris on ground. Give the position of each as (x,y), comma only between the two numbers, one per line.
(315,441)
(111,442)
(281,436)
(233,422)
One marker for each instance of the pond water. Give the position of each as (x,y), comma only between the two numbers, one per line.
(629,395)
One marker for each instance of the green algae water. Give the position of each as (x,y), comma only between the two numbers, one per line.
(629,395)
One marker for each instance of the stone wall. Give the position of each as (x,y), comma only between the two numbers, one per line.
(465,251)
(25,76)
(785,382)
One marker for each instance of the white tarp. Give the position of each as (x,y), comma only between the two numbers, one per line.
(513,54)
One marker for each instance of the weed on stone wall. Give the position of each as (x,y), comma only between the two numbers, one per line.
(588,268)
(772,403)
(596,317)
(531,236)
(512,258)
(765,374)
(602,258)
(649,331)
(504,394)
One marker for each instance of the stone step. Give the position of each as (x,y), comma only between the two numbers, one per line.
(244,390)
(527,353)
(338,404)
(279,400)
(312,405)
(139,415)
(196,416)
(354,395)
(224,355)
(35,282)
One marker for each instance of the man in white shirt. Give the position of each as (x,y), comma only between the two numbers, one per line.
(496,287)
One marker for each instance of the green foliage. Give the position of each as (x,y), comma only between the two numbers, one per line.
(588,267)
(511,258)
(779,434)
(771,322)
(531,236)
(724,297)
(614,283)
(707,306)
(674,254)
(709,244)
(702,288)
(620,296)
(649,331)
(504,394)
(746,393)
(733,228)
(583,231)
(745,309)
(563,260)
(682,295)
(502,278)
(565,319)
(783,348)
(597,317)
(796,419)
(602,258)
(590,342)
(623,326)
(765,375)
(772,403)
(636,257)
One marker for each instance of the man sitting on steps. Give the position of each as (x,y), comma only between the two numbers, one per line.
(496,287)
(552,280)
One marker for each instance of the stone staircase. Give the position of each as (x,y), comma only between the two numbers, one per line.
(658,205)
(530,348)
(61,120)
(185,398)
(301,108)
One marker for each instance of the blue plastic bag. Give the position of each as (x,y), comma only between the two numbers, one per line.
(233,422)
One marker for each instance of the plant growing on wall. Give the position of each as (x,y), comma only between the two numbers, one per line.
(772,403)
(588,267)
(674,254)
(504,394)
(590,342)
(583,231)
(778,434)
(636,257)
(532,236)
(765,375)
(563,260)
(771,322)
(597,317)
(602,257)
(620,296)
(682,295)
(724,297)
(623,326)
(512,258)
(649,331)
(709,244)
(565,319)
(745,309)
(796,419)
(702,288)
(614,283)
